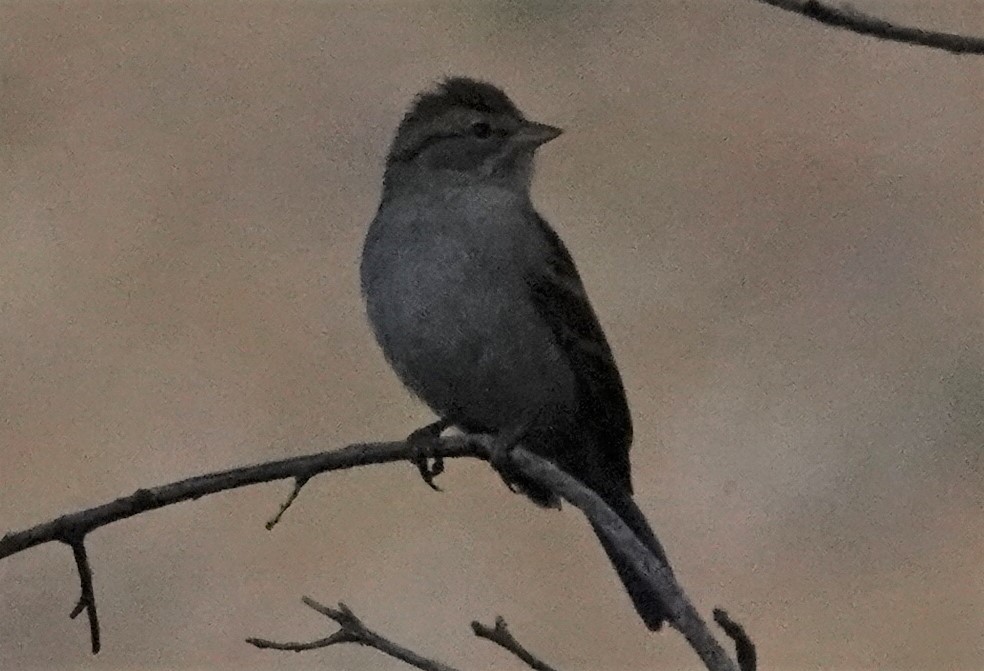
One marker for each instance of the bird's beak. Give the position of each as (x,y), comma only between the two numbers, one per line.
(534,134)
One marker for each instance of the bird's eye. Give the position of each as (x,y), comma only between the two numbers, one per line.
(481,129)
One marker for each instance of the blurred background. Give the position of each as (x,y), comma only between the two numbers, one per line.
(780,225)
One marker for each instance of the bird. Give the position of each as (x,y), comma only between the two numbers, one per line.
(479,308)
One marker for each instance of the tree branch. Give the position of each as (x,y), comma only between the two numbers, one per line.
(683,616)
(298,485)
(80,523)
(73,527)
(744,648)
(501,636)
(352,630)
(87,595)
(851,19)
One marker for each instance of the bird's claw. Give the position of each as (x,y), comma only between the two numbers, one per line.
(500,457)
(430,470)
(421,444)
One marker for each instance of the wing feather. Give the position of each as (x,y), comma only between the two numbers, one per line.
(603,412)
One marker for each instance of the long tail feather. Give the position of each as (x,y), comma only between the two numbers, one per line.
(647,603)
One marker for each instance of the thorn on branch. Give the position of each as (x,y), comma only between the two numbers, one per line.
(87,596)
(501,636)
(744,648)
(298,483)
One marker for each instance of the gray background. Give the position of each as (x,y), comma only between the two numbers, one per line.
(779,224)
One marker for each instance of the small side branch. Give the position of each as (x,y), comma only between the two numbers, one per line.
(744,648)
(78,524)
(501,636)
(73,528)
(352,630)
(87,596)
(298,484)
(851,19)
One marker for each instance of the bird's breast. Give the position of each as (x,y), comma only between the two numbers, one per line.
(447,295)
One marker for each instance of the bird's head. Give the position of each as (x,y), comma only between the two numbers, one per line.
(470,130)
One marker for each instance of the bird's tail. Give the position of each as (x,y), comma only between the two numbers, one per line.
(647,603)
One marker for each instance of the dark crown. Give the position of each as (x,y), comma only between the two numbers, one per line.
(461,92)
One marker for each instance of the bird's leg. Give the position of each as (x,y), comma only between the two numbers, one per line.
(502,447)
(421,444)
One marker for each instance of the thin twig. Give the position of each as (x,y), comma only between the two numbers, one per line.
(295,646)
(298,483)
(864,24)
(744,648)
(352,630)
(501,636)
(87,595)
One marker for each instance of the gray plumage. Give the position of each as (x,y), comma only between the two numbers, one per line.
(479,308)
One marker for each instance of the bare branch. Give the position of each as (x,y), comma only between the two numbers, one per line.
(501,636)
(87,596)
(72,528)
(78,524)
(683,616)
(298,484)
(744,648)
(352,630)
(851,19)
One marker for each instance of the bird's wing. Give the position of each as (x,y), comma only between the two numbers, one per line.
(563,304)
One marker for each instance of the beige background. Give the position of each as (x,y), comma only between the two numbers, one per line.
(780,226)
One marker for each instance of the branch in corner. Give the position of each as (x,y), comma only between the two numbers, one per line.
(858,22)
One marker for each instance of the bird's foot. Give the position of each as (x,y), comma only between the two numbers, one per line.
(500,455)
(422,442)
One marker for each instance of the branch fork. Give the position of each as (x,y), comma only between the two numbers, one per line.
(73,528)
